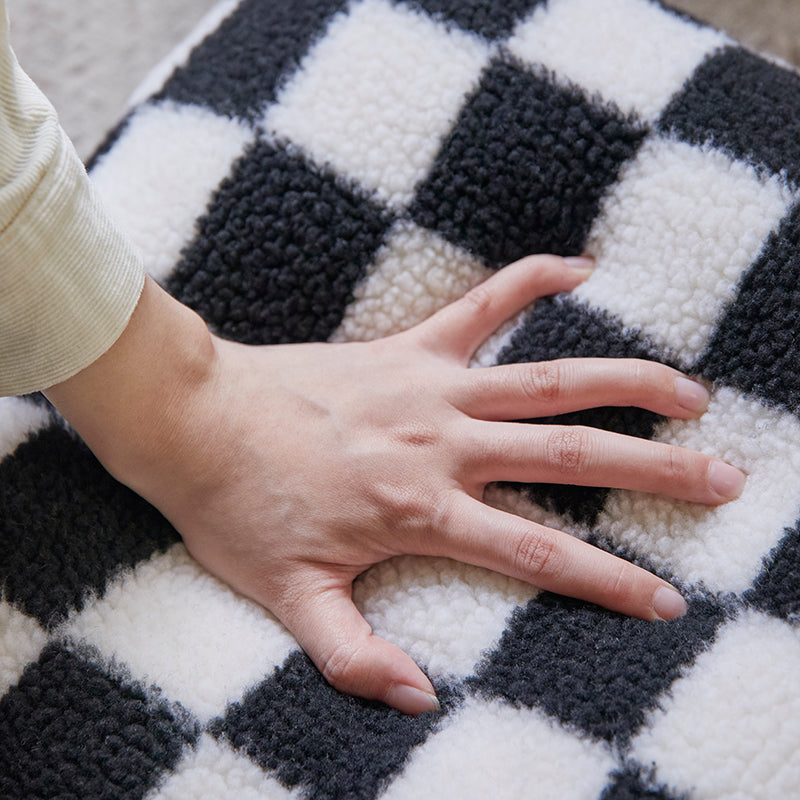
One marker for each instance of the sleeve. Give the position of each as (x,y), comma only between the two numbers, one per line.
(69,280)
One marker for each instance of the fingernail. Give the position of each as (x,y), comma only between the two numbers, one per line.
(725,480)
(668,604)
(411,700)
(691,395)
(583,264)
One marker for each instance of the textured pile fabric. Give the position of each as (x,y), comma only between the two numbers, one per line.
(331,170)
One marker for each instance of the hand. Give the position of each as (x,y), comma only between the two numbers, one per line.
(291,469)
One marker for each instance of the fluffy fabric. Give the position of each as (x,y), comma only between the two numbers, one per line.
(339,170)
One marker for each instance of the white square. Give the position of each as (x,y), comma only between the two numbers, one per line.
(631,52)
(19,420)
(212,771)
(730,729)
(174,625)
(21,641)
(492,750)
(512,501)
(162,174)
(444,614)
(673,238)
(377,95)
(415,274)
(721,547)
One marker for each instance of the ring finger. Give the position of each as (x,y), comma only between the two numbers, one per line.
(555,561)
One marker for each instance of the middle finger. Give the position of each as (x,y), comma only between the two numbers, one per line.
(585,456)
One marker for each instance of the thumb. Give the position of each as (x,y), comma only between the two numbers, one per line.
(335,636)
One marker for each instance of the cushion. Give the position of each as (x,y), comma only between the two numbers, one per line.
(326,170)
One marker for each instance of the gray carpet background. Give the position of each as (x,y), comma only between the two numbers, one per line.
(90,56)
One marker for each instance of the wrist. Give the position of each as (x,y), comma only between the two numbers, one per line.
(133,405)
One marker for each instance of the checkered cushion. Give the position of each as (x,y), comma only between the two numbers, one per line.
(331,170)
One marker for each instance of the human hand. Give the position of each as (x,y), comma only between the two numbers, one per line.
(291,469)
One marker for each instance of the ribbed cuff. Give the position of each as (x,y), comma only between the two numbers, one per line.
(69,280)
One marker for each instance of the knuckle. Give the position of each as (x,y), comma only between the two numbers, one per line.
(543,264)
(535,554)
(443,515)
(650,377)
(621,588)
(340,668)
(567,449)
(405,506)
(479,298)
(543,382)
(417,435)
(679,467)
(640,372)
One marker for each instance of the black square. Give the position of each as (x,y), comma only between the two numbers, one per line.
(330,744)
(562,328)
(636,784)
(590,668)
(741,103)
(69,730)
(109,141)
(239,68)
(525,167)
(777,589)
(279,251)
(755,347)
(67,526)
(493,19)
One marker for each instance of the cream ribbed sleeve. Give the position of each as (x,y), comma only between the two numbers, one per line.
(69,280)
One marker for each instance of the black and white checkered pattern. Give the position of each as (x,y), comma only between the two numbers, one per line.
(338,170)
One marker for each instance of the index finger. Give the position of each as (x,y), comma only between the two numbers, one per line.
(548,388)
